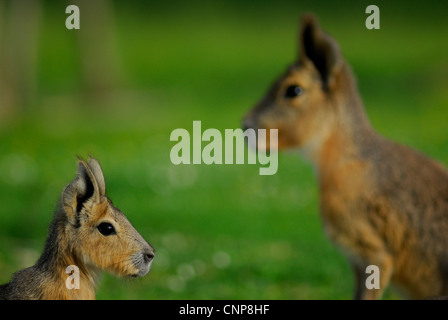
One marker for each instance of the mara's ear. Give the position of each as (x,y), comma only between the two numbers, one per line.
(95,167)
(318,48)
(79,191)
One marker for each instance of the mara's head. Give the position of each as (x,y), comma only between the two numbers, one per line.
(97,234)
(306,102)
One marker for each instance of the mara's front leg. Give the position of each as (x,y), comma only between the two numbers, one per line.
(364,248)
(370,283)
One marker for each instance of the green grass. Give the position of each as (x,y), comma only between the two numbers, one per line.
(221,231)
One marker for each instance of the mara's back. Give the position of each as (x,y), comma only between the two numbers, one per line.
(24,285)
(396,216)
(415,188)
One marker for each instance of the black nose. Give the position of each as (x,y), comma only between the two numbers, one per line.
(148,256)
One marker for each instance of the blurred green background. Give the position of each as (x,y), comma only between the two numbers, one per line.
(138,70)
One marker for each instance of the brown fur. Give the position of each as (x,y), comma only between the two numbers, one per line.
(75,239)
(381,203)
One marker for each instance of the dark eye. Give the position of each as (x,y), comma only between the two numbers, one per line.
(106,229)
(293,91)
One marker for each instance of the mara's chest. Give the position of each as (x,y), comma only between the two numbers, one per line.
(343,190)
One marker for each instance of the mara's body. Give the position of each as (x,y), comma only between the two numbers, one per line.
(382,203)
(87,233)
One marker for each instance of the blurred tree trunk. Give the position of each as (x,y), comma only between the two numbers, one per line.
(19,25)
(97,47)
(6,96)
(19,34)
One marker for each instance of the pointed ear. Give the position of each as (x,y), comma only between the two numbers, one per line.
(319,48)
(95,167)
(79,191)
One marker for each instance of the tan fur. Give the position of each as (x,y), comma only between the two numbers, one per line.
(75,239)
(381,203)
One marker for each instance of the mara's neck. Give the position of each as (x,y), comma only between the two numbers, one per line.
(64,275)
(341,166)
(345,140)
